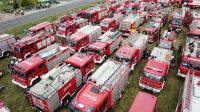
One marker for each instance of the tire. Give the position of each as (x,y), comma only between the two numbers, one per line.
(66,101)
(6,54)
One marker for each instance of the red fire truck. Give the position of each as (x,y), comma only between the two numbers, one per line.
(152,29)
(45,27)
(155,71)
(129,24)
(66,28)
(103,89)
(83,37)
(105,46)
(142,99)
(153,9)
(132,49)
(3,107)
(6,41)
(58,86)
(111,23)
(187,15)
(167,40)
(194,30)
(94,14)
(25,47)
(27,72)
(190,57)
(177,22)
(63,19)
(189,99)
(159,18)
(193,3)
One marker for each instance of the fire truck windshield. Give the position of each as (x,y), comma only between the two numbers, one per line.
(152,76)
(104,24)
(71,42)
(156,19)
(74,109)
(165,44)
(149,33)
(124,26)
(18,73)
(94,51)
(61,28)
(86,15)
(123,59)
(177,21)
(191,65)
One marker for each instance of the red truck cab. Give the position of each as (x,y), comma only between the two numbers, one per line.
(142,99)
(105,45)
(190,57)
(155,71)
(177,22)
(132,49)
(69,27)
(194,30)
(111,23)
(40,28)
(167,40)
(94,14)
(152,30)
(83,37)
(25,73)
(153,9)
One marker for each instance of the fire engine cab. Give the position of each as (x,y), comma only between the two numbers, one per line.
(155,71)
(177,22)
(190,57)
(132,49)
(144,99)
(70,27)
(152,29)
(45,27)
(129,24)
(58,86)
(103,89)
(111,23)
(167,40)
(105,45)
(83,37)
(29,70)
(189,99)
(25,47)
(63,19)
(194,30)
(94,14)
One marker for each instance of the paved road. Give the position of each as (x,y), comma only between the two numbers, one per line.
(42,14)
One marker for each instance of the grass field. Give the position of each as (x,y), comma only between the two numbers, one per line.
(13,96)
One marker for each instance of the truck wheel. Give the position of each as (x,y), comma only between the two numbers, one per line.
(6,53)
(27,56)
(66,101)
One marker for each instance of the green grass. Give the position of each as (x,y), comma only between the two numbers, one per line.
(4,7)
(13,96)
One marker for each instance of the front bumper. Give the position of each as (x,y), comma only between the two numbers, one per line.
(17,83)
(150,88)
(180,74)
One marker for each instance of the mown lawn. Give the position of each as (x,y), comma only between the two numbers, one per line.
(14,98)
